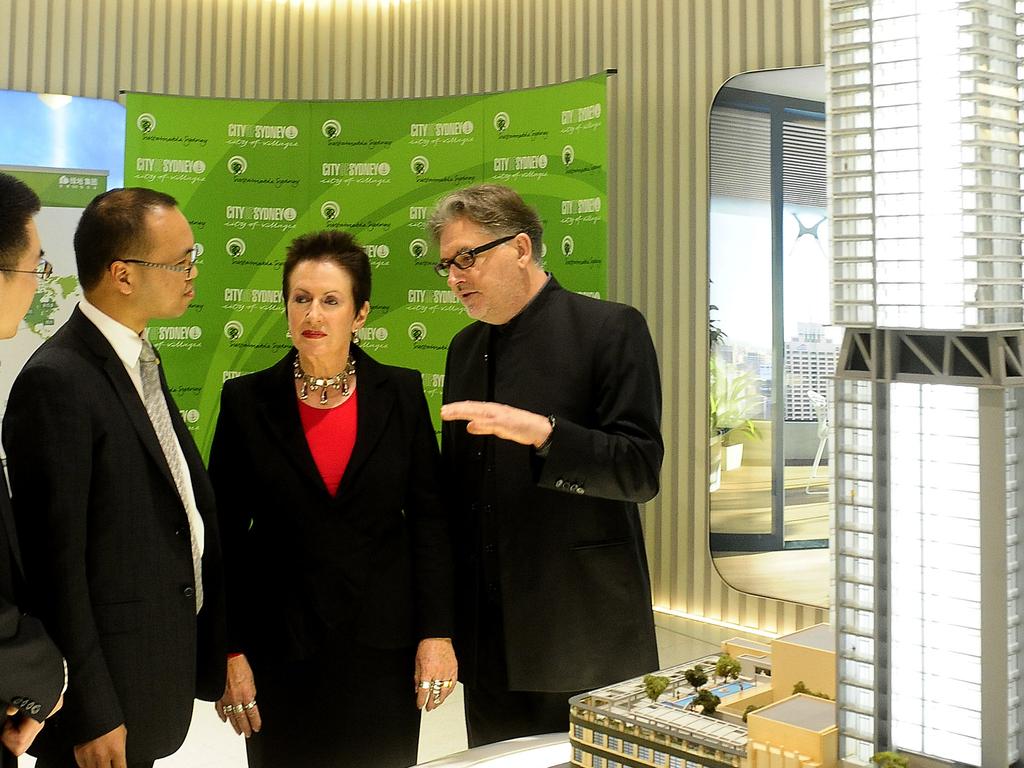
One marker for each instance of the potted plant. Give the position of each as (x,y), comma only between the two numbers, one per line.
(715,463)
(732,400)
(715,336)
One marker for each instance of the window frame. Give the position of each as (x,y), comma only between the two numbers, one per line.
(779,109)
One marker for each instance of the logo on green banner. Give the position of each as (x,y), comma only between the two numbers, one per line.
(419,165)
(234,330)
(419,248)
(235,247)
(330,128)
(330,210)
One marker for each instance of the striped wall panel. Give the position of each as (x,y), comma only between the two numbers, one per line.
(671,56)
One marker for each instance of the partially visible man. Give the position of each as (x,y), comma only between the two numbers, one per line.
(113,506)
(562,397)
(31,668)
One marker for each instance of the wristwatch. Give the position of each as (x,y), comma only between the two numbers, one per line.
(544,447)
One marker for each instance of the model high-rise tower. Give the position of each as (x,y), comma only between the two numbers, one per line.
(924,131)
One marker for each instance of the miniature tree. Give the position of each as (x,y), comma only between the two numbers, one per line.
(696,677)
(889,760)
(750,708)
(727,668)
(655,685)
(707,701)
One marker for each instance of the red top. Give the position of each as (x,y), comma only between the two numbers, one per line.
(331,434)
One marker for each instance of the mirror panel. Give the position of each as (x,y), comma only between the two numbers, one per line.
(773,349)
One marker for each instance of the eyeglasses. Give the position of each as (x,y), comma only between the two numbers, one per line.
(43,269)
(466,258)
(179,267)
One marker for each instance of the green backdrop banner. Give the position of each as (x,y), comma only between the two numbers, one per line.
(252,175)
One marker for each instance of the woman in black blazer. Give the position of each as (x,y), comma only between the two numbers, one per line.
(337,550)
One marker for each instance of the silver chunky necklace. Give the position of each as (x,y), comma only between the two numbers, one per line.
(313,383)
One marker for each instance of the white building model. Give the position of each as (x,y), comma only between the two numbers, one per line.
(758,723)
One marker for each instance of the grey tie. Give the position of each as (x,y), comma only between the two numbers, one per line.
(156,407)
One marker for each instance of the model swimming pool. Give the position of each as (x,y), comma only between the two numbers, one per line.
(721,691)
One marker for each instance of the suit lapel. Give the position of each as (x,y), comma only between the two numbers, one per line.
(125,389)
(280,413)
(7,515)
(376,399)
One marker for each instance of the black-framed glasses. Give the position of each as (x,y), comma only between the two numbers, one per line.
(182,266)
(43,268)
(466,258)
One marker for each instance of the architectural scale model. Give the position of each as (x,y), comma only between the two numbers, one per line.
(925,198)
(759,722)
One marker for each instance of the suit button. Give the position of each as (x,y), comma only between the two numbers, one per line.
(573,488)
(490,548)
(580,490)
(559,483)
(35,709)
(188,592)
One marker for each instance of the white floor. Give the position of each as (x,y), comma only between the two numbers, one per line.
(212,744)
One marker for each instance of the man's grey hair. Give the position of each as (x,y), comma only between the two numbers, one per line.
(494,207)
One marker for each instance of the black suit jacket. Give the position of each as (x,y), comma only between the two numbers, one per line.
(571,567)
(31,668)
(106,545)
(373,559)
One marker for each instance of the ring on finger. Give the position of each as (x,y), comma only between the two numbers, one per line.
(437,697)
(425,685)
(249,706)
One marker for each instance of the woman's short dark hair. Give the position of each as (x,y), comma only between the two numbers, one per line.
(18,204)
(115,225)
(339,248)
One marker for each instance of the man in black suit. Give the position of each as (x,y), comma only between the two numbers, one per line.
(112,502)
(31,668)
(563,402)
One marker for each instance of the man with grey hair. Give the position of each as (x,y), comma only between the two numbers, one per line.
(561,400)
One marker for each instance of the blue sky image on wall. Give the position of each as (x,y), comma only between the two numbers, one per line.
(54,131)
